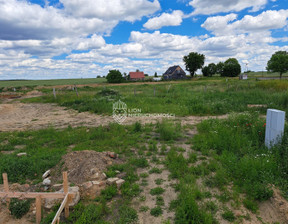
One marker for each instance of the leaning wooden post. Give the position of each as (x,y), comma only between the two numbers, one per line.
(65,188)
(6,186)
(38,209)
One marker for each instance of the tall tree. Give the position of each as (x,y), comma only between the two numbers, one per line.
(278,62)
(231,68)
(194,61)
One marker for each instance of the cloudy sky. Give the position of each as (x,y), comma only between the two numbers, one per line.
(46,39)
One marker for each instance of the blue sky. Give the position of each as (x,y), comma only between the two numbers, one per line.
(47,39)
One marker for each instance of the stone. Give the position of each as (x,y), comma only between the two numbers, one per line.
(111,181)
(119,183)
(46,182)
(87,185)
(57,187)
(112,155)
(50,202)
(104,175)
(275,122)
(22,154)
(46,174)
(96,182)
(117,171)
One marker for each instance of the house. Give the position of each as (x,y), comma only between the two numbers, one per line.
(136,76)
(174,72)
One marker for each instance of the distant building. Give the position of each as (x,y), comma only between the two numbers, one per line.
(174,72)
(157,79)
(136,76)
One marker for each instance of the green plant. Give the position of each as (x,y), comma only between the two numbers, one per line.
(251,205)
(157,211)
(127,215)
(159,201)
(157,191)
(109,192)
(155,170)
(19,208)
(144,209)
(137,127)
(159,181)
(211,207)
(228,215)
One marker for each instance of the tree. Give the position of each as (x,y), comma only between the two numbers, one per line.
(114,76)
(219,68)
(155,75)
(231,68)
(193,61)
(278,62)
(209,70)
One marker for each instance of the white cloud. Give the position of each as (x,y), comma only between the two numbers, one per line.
(267,20)
(166,19)
(208,7)
(129,10)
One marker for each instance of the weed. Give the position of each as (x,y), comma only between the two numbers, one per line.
(109,192)
(157,211)
(155,170)
(251,205)
(211,207)
(159,181)
(159,201)
(157,191)
(19,208)
(228,215)
(144,209)
(144,175)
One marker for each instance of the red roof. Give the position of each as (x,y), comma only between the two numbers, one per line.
(136,75)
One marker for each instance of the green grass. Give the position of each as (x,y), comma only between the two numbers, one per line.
(242,156)
(183,98)
(52,82)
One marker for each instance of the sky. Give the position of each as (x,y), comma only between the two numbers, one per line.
(53,39)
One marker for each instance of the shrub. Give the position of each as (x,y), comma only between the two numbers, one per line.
(168,131)
(157,191)
(157,211)
(137,127)
(19,208)
(114,76)
(109,192)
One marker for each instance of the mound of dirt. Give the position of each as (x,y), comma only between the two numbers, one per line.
(83,166)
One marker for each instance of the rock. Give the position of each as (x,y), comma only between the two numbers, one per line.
(22,154)
(104,175)
(50,202)
(121,175)
(19,146)
(87,185)
(46,174)
(46,182)
(111,181)
(112,155)
(117,171)
(95,176)
(119,183)
(96,182)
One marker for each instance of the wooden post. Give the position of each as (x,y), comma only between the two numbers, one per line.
(54,93)
(65,188)
(6,186)
(168,88)
(76,90)
(38,209)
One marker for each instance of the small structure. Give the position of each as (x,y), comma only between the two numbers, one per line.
(243,77)
(137,76)
(157,79)
(275,122)
(174,72)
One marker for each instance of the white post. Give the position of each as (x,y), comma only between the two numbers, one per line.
(54,93)
(275,122)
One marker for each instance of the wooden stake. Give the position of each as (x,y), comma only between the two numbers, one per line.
(38,209)
(65,188)
(6,186)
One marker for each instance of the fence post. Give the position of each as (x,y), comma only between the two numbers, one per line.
(6,186)
(38,209)
(76,90)
(54,93)
(65,188)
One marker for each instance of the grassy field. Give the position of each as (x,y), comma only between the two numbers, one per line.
(223,168)
(212,96)
(53,82)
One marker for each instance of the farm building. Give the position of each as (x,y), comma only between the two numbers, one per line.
(136,76)
(174,72)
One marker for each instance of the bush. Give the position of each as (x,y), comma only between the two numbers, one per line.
(109,192)
(114,76)
(231,68)
(156,211)
(19,208)
(157,191)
